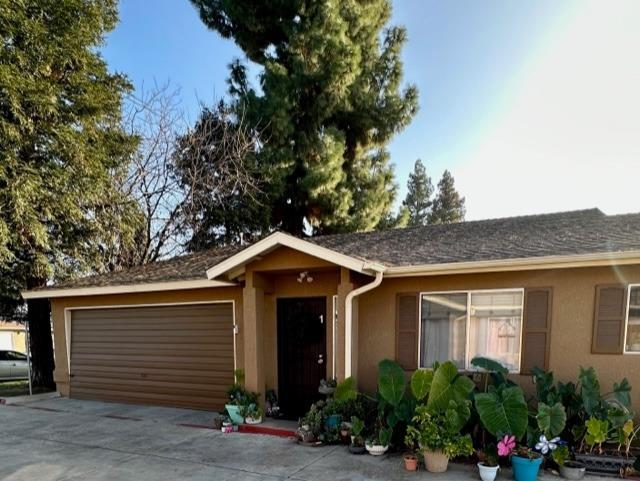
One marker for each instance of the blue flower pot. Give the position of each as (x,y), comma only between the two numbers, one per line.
(234,413)
(525,469)
(332,421)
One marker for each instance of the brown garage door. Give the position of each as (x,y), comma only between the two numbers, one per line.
(166,355)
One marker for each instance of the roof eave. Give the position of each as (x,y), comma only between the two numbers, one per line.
(517,264)
(280,239)
(52,293)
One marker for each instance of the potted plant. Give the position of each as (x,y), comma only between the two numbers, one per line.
(488,463)
(240,400)
(438,438)
(345,429)
(378,444)
(525,462)
(327,387)
(357,441)
(253,414)
(410,461)
(311,425)
(568,469)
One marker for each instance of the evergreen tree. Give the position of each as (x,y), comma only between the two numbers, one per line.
(223,190)
(419,191)
(448,206)
(61,146)
(329,102)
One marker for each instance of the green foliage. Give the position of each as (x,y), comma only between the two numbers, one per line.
(551,419)
(590,390)
(62,147)
(346,390)
(419,192)
(597,432)
(489,365)
(391,382)
(220,212)
(357,426)
(421,383)
(560,455)
(448,385)
(329,101)
(433,431)
(503,410)
(448,205)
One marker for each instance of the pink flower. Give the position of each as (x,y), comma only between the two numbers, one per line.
(506,445)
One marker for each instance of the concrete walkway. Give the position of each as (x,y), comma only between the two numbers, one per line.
(62,439)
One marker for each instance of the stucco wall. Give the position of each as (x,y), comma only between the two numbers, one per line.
(58,306)
(571,330)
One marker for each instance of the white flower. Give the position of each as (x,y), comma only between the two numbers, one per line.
(545,445)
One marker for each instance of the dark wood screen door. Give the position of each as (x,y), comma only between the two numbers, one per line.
(302,355)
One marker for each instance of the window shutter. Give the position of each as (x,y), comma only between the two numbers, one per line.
(407,331)
(536,336)
(609,318)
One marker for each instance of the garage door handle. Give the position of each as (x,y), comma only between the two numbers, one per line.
(72,375)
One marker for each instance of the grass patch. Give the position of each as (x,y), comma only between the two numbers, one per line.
(17,388)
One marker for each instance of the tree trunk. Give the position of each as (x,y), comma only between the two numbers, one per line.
(40,343)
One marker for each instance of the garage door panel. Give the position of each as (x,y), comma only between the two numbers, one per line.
(151,347)
(150,398)
(193,377)
(171,355)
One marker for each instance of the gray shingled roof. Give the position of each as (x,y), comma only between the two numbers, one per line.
(180,268)
(564,233)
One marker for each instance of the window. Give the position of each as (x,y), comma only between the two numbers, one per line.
(632,342)
(16,356)
(458,326)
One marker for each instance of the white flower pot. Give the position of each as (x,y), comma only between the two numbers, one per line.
(488,473)
(376,449)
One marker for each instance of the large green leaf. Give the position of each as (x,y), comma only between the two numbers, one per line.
(489,365)
(457,415)
(391,381)
(551,419)
(591,399)
(503,411)
(622,392)
(421,383)
(447,386)
(346,390)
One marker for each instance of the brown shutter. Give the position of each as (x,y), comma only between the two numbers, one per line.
(609,319)
(407,330)
(537,329)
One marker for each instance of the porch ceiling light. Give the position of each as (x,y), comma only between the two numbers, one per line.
(304,275)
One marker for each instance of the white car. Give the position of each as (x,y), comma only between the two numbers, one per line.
(13,366)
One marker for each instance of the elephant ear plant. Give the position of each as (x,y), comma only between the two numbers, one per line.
(443,410)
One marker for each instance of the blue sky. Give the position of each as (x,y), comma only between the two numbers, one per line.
(526,103)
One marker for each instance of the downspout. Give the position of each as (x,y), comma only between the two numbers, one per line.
(348,318)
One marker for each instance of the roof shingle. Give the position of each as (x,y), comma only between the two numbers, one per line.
(564,233)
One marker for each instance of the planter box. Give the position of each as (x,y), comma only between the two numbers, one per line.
(604,464)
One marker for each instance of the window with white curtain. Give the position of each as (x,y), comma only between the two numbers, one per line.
(632,342)
(458,326)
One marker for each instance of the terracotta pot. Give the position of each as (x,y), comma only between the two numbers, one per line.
(410,462)
(436,461)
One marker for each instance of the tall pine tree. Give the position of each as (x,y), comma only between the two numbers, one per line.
(419,191)
(329,102)
(61,144)
(448,205)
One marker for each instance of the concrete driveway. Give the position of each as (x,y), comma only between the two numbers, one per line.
(64,439)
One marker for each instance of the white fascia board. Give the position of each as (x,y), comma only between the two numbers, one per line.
(279,239)
(520,264)
(123,289)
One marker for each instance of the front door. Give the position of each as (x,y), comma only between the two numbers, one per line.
(302,353)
